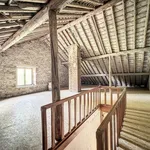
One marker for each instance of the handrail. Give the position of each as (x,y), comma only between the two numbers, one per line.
(109,130)
(87,103)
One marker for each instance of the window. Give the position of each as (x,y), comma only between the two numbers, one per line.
(25,76)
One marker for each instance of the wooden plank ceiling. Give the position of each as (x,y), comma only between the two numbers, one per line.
(122,27)
(99,29)
(14,14)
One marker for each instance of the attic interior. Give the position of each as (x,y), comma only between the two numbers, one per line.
(74,74)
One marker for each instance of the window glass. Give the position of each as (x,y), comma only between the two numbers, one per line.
(25,76)
(20,76)
(28,76)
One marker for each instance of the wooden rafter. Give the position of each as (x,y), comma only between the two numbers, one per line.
(119,53)
(146,23)
(117,74)
(35,22)
(147,49)
(76,5)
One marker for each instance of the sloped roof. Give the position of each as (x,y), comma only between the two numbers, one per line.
(99,30)
(122,27)
(15,14)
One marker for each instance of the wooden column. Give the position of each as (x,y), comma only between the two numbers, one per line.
(55,75)
(74,69)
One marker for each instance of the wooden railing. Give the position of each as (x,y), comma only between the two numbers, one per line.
(77,110)
(109,131)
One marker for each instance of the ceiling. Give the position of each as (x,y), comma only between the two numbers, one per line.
(123,27)
(117,28)
(14,14)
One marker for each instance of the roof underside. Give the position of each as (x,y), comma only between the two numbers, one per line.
(14,14)
(123,26)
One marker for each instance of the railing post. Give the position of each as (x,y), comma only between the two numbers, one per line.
(114,129)
(53,110)
(100,140)
(44,128)
(111,135)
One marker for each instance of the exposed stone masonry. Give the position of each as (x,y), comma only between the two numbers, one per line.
(33,53)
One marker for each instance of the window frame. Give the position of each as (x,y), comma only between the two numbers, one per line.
(33,71)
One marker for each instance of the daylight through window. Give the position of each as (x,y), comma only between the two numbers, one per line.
(25,76)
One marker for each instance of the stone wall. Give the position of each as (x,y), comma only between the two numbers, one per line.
(33,53)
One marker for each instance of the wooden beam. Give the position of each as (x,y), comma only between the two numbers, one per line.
(5,34)
(74,11)
(98,34)
(146,23)
(33,1)
(76,5)
(9,25)
(42,16)
(8,30)
(64,15)
(55,75)
(35,22)
(94,2)
(29,6)
(14,9)
(116,74)
(98,10)
(106,30)
(147,49)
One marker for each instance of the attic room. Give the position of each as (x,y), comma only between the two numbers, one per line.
(74,74)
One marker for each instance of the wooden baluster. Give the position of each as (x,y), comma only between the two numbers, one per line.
(87,103)
(94,100)
(111,135)
(44,129)
(69,115)
(121,113)
(117,117)
(80,104)
(99,95)
(118,91)
(106,138)
(91,101)
(100,141)
(114,127)
(84,105)
(62,123)
(53,109)
(75,112)
(111,96)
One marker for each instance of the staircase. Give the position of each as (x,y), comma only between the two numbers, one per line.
(135,133)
